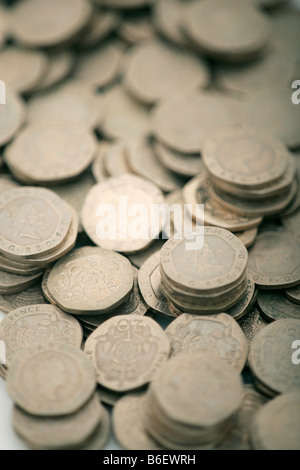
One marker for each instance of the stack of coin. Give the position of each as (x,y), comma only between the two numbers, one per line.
(53,387)
(252,173)
(192,401)
(206,273)
(37,228)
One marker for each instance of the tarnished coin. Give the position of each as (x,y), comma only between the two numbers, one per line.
(274,305)
(274,260)
(12,116)
(60,64)
(35,324)
(100,66)
(32,63)
(199,191)
(59,432)
(47,23)
(72,102)
(246,302)
(270,356)
(276,425)
(121,199)
(293,294)
(272,109)
(124,118)
(231,30)
(51,379)
(156,71)
(247,157)
(14,283)
(219,334)
(30,296)
(149,284)
(182,164)
(251,324)
(54,152)
(142,160)
(126,351)
(33,221)
(185,123)
(128,424)
(90,280)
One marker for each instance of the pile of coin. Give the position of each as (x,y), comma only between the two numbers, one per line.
(204,274)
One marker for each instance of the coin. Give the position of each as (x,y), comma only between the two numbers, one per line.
(293,294)
(126,351)
(244,305)
(167,18)
(99,172)
(7,183)
(101,24)
(14,283)
(136,27)
(275,425)
(156,71)
(149,284)
(251,323)
(90,280)
(122,197)
(292,222)
(248,236)
(60,64)
(30,296)
(142,160)
(274,305)
(67,150)
(182,164)
(32,63)
(12,116)
(197,115)
(219,334)
(35,23)
(14,267)
(33,221)
(233,30)
(99,438)
(124,118)
(114,159)
(30,325)
(270,356)
(58,432)
(128,424)
(274,260)
(138,259)
(51,379)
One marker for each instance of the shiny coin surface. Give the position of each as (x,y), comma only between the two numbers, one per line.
(51,379)
(274,305)
(12,116)
(90,280)
(270,356)
(126,351)
(30,296)
(189,333)
(274,260)
(35,324)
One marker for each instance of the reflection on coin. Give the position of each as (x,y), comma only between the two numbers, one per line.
(293,294)
(274,260)
(217,334)
(35,324)
(274,305)
(12,116)
(90,280)
(126,351)
(50,379)
(128,424)
(30,296)
(276,426)
(251,324)
(270,356)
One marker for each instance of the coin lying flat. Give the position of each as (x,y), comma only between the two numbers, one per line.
(107,199)
(293,294)
(128,424)
(276,426)
(274,260)
(157,71)
(67,150)
(59,431)
(47,23)
(51,379)
(14,283)
(33,221)
(12,116)
(270,356)
(179,163)
(184,123)
(126,351)
(90,280)
(231,30)
(219,334)
(32,63)
(274,305)
(27,326)
(125,117)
